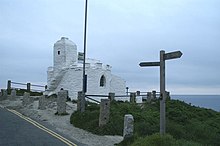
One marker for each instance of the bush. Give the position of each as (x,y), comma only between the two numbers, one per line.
(165,140)
(184,122)
(155,140)
(20,92)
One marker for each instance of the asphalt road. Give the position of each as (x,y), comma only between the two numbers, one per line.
(15,131)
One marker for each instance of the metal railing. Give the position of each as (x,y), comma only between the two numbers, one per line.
(25,86)
(145,96)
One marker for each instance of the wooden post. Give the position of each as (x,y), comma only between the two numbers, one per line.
(163,57)
(162,94)
(28,87)
(138,93)
(133,97)
(167,95)
(9,86)
(111,96)
(148,96)
(154,94)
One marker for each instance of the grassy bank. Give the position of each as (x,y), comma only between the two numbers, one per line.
(186,124)
(20,92)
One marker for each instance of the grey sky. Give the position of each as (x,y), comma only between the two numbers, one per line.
(121,33)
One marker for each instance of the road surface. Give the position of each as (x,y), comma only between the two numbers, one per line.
(16,130)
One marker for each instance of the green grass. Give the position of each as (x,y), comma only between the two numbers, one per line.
(20,92)
(186,124)
(165,140)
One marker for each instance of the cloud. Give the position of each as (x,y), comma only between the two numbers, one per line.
(120,33)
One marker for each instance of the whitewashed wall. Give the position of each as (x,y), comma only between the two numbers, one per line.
(67,53)
(72,81)
(67,73)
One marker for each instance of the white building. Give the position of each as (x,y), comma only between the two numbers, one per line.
(67,73)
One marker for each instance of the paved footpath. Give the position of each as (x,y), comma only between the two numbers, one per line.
(17,130)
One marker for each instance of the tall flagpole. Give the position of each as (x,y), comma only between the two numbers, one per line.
(84,56)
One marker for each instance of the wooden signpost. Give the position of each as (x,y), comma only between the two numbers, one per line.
(163,56)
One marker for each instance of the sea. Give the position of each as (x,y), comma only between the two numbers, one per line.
(205,101)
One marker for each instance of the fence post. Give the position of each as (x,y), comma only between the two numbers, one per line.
(9,86)
(167,95)
(154,94)
(81,101)
(148,96)
(111,96)
(133,97)
(61,102)
(28,87)
(138,93)
(104,112)
(128,126)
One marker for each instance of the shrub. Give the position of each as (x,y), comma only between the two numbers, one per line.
(185,122)
(165,140)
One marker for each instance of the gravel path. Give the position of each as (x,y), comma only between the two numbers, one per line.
(61,123)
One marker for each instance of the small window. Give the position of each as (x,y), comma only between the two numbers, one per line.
(58,52)
(102,81)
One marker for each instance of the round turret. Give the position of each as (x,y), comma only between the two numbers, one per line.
(66,41)
(65,53)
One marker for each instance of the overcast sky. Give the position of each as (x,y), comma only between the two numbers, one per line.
(121,33)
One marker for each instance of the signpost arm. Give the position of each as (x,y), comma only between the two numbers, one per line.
(162,93)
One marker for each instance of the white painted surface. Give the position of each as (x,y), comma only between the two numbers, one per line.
(67,73)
